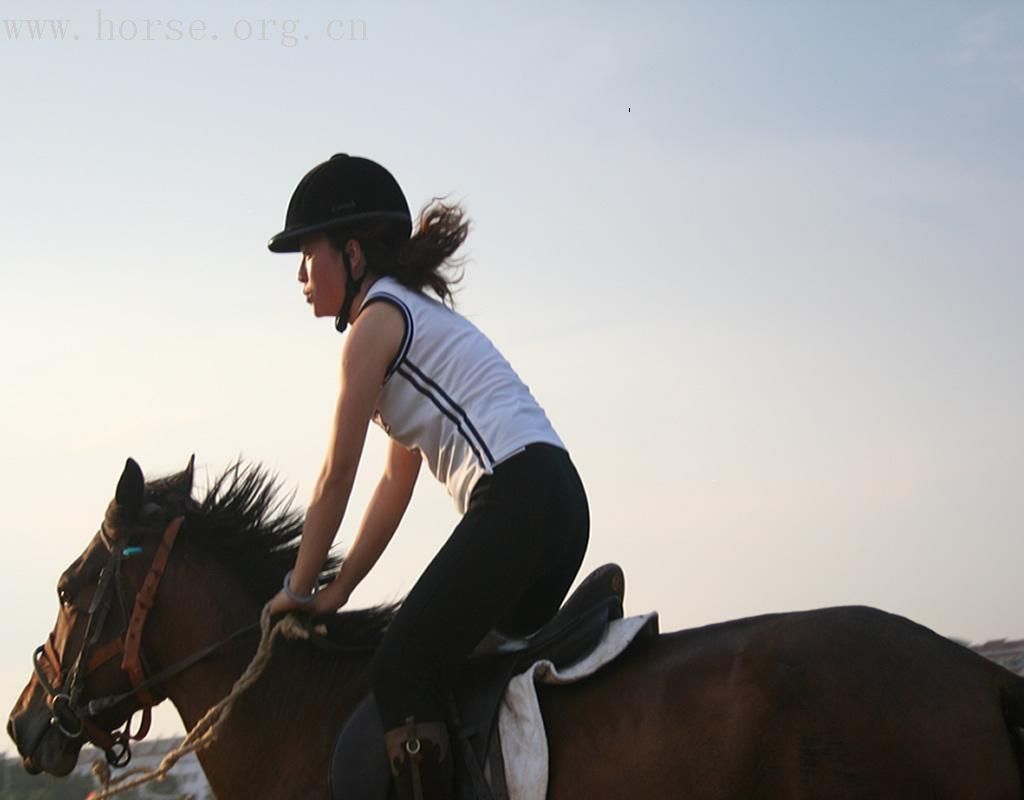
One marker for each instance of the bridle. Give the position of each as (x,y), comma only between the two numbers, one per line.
(71,712)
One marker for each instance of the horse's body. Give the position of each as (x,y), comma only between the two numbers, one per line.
(835,703)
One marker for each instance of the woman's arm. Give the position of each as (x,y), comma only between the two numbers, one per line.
(369,347)
(385,511)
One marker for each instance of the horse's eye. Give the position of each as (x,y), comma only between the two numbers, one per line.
(64,596)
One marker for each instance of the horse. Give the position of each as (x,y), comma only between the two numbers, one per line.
(836,703)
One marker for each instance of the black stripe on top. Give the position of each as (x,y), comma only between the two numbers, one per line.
(455,406)
(409,376)
(403,349)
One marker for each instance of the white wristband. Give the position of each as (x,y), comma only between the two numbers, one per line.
(304,600)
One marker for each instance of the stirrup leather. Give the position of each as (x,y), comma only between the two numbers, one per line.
(419,756)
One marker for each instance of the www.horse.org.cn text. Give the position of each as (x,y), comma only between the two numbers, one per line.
(110,28)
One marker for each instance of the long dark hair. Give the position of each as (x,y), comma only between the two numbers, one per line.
(424,261)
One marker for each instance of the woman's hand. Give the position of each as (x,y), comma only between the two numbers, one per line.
(326,601)
(282,602)
(330,598)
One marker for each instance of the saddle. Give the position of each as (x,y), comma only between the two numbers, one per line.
(359,768)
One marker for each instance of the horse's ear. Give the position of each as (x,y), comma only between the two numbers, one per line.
(181,484)
(131,488)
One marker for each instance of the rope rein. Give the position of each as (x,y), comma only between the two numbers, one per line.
(205,731)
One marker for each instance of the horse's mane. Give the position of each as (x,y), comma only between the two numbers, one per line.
(245,524)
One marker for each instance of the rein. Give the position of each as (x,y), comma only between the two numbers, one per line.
(71,713)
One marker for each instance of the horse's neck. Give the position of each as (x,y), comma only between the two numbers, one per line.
(277,739)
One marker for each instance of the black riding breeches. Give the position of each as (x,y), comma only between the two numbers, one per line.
(507,565)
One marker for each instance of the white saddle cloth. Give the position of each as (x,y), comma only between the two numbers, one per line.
(524,743)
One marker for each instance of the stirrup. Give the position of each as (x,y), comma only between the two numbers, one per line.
(420,759)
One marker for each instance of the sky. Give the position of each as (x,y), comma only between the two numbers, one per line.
(760,263)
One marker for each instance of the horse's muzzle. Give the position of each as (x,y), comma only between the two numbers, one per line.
(30,766)
(26,731)
(41,746)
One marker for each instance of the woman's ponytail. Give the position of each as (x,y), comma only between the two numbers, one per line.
(424,260)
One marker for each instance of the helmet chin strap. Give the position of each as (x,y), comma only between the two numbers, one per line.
(351,290)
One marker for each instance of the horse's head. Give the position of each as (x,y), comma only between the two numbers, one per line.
(86,677)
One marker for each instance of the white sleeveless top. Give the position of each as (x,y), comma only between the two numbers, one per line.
(451,395)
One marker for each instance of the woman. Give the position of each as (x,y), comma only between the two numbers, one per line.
(444,395)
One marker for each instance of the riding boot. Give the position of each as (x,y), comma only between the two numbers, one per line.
(420,758)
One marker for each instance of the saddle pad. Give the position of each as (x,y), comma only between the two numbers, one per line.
(524,744)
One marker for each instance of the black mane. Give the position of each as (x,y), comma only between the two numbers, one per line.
(245,525)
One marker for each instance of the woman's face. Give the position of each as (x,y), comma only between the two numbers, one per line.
(322,275)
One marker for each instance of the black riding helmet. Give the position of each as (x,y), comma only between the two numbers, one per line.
(343,191)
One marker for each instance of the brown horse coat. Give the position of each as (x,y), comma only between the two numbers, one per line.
(828,704)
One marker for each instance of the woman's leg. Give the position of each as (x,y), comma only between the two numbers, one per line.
(508,563)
